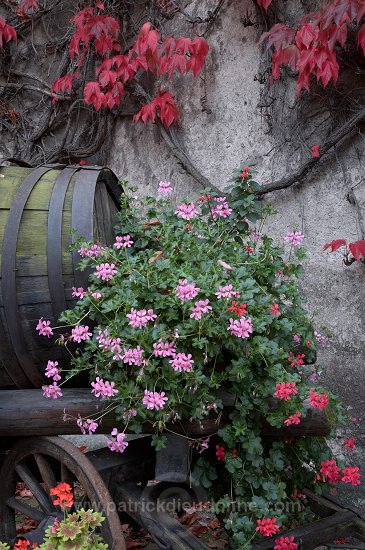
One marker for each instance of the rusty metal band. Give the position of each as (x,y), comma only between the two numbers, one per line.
(82,216)
(54,241)
(8,276)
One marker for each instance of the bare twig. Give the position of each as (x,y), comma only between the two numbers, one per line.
(344,132)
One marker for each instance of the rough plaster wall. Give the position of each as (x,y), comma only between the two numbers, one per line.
(222,126)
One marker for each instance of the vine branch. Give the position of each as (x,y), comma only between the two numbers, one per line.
(345,131)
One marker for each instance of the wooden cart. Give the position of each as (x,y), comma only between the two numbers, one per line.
(38,208)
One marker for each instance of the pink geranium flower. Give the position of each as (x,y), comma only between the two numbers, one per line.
(52,392)
(154,400)
(186,211)
(103,389)
(44,328)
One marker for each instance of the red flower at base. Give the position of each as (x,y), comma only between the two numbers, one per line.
(318,400)
(285,543)
(240,309)
(275,310)
(22,545)
(330,469)
(349,442)
(351,475)
(315,151)
(267,527)
(220,452)
(64,493)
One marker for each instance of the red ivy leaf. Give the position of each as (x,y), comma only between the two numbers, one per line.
(165,104)
(357,249)
(169,113)
(7,32)
(93,95)
(306,35)
(334,245)
(198,49)
(62,84)
(264,3)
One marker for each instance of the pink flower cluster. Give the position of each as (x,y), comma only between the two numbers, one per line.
(80,333)
(92,251)
(164,187)
(321,339)
(87,426)
(163,349)
(133,356)
(293,419)
(241,327)
(53,391)
(285,389)
(182,362)
(226,292)
(78,292)
(140,318)
(285,543)
(201,306)
(105,272)
(154,400)
(186,211)
(117,443)
(222,209)
(318,400)
(294,237)
(123,242)
(110,344)
(52,371)
(103,389)
(44,328)
(96,295)
(186,291)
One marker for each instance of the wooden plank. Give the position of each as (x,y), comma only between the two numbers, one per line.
(311,535)
(321,505)
(26,412)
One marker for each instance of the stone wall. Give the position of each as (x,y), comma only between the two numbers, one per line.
(228,116)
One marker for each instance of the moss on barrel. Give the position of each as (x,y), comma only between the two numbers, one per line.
(38,209)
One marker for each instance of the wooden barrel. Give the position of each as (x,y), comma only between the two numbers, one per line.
(42,212)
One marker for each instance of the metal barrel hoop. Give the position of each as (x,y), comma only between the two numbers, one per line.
(8,276)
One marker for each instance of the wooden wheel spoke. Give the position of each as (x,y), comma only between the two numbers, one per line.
(46,472)
(37,490)
(66,475)
(24,508)
(41,463)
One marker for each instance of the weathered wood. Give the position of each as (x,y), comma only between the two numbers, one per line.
(311,535)
(39,271)
(27,412)
(165,530)
(68,463)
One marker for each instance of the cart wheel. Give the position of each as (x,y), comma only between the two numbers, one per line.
(41,463)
